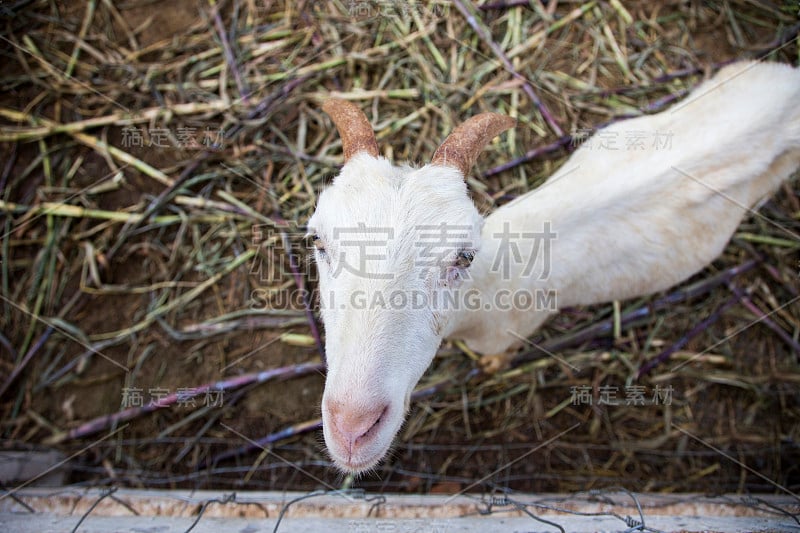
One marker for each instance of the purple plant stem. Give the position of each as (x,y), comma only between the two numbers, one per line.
(103,422)
(315,424)
(667,77)
(161,200)
(684,340)
(298,280)
(663,101)
(777,276)
(504,5)
(477,24)
(764,318)
(25,360)
(244,92)
(788,35)
(262,443)
(5,343)
(312,320)
(530,155)
(568,140)
(603,327)
(260,110)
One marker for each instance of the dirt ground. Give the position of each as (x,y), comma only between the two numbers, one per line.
(740,406)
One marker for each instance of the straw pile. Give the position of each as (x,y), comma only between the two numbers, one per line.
(159,160)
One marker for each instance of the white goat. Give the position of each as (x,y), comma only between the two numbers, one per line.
(406,260)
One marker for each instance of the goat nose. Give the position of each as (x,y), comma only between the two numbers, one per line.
(355,425)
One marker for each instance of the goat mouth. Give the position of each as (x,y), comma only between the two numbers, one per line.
(369,435)
(365,451)
(361,466)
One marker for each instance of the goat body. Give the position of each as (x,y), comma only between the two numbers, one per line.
(635,220)
(406,260)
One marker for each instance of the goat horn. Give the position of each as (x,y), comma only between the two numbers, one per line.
(461,148)
(353,126)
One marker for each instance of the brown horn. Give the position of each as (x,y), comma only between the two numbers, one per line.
(461,148)
(353,126)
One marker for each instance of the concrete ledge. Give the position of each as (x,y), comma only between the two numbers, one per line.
(489,524)
(56,510)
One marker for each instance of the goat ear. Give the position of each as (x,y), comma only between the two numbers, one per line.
(353,126)
(461,148)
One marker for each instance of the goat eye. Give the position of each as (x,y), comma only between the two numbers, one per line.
(464,258)
(318,244)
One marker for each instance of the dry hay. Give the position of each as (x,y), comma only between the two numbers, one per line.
(159,158)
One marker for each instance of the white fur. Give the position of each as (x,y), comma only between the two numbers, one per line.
(628,223)
(377,354)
